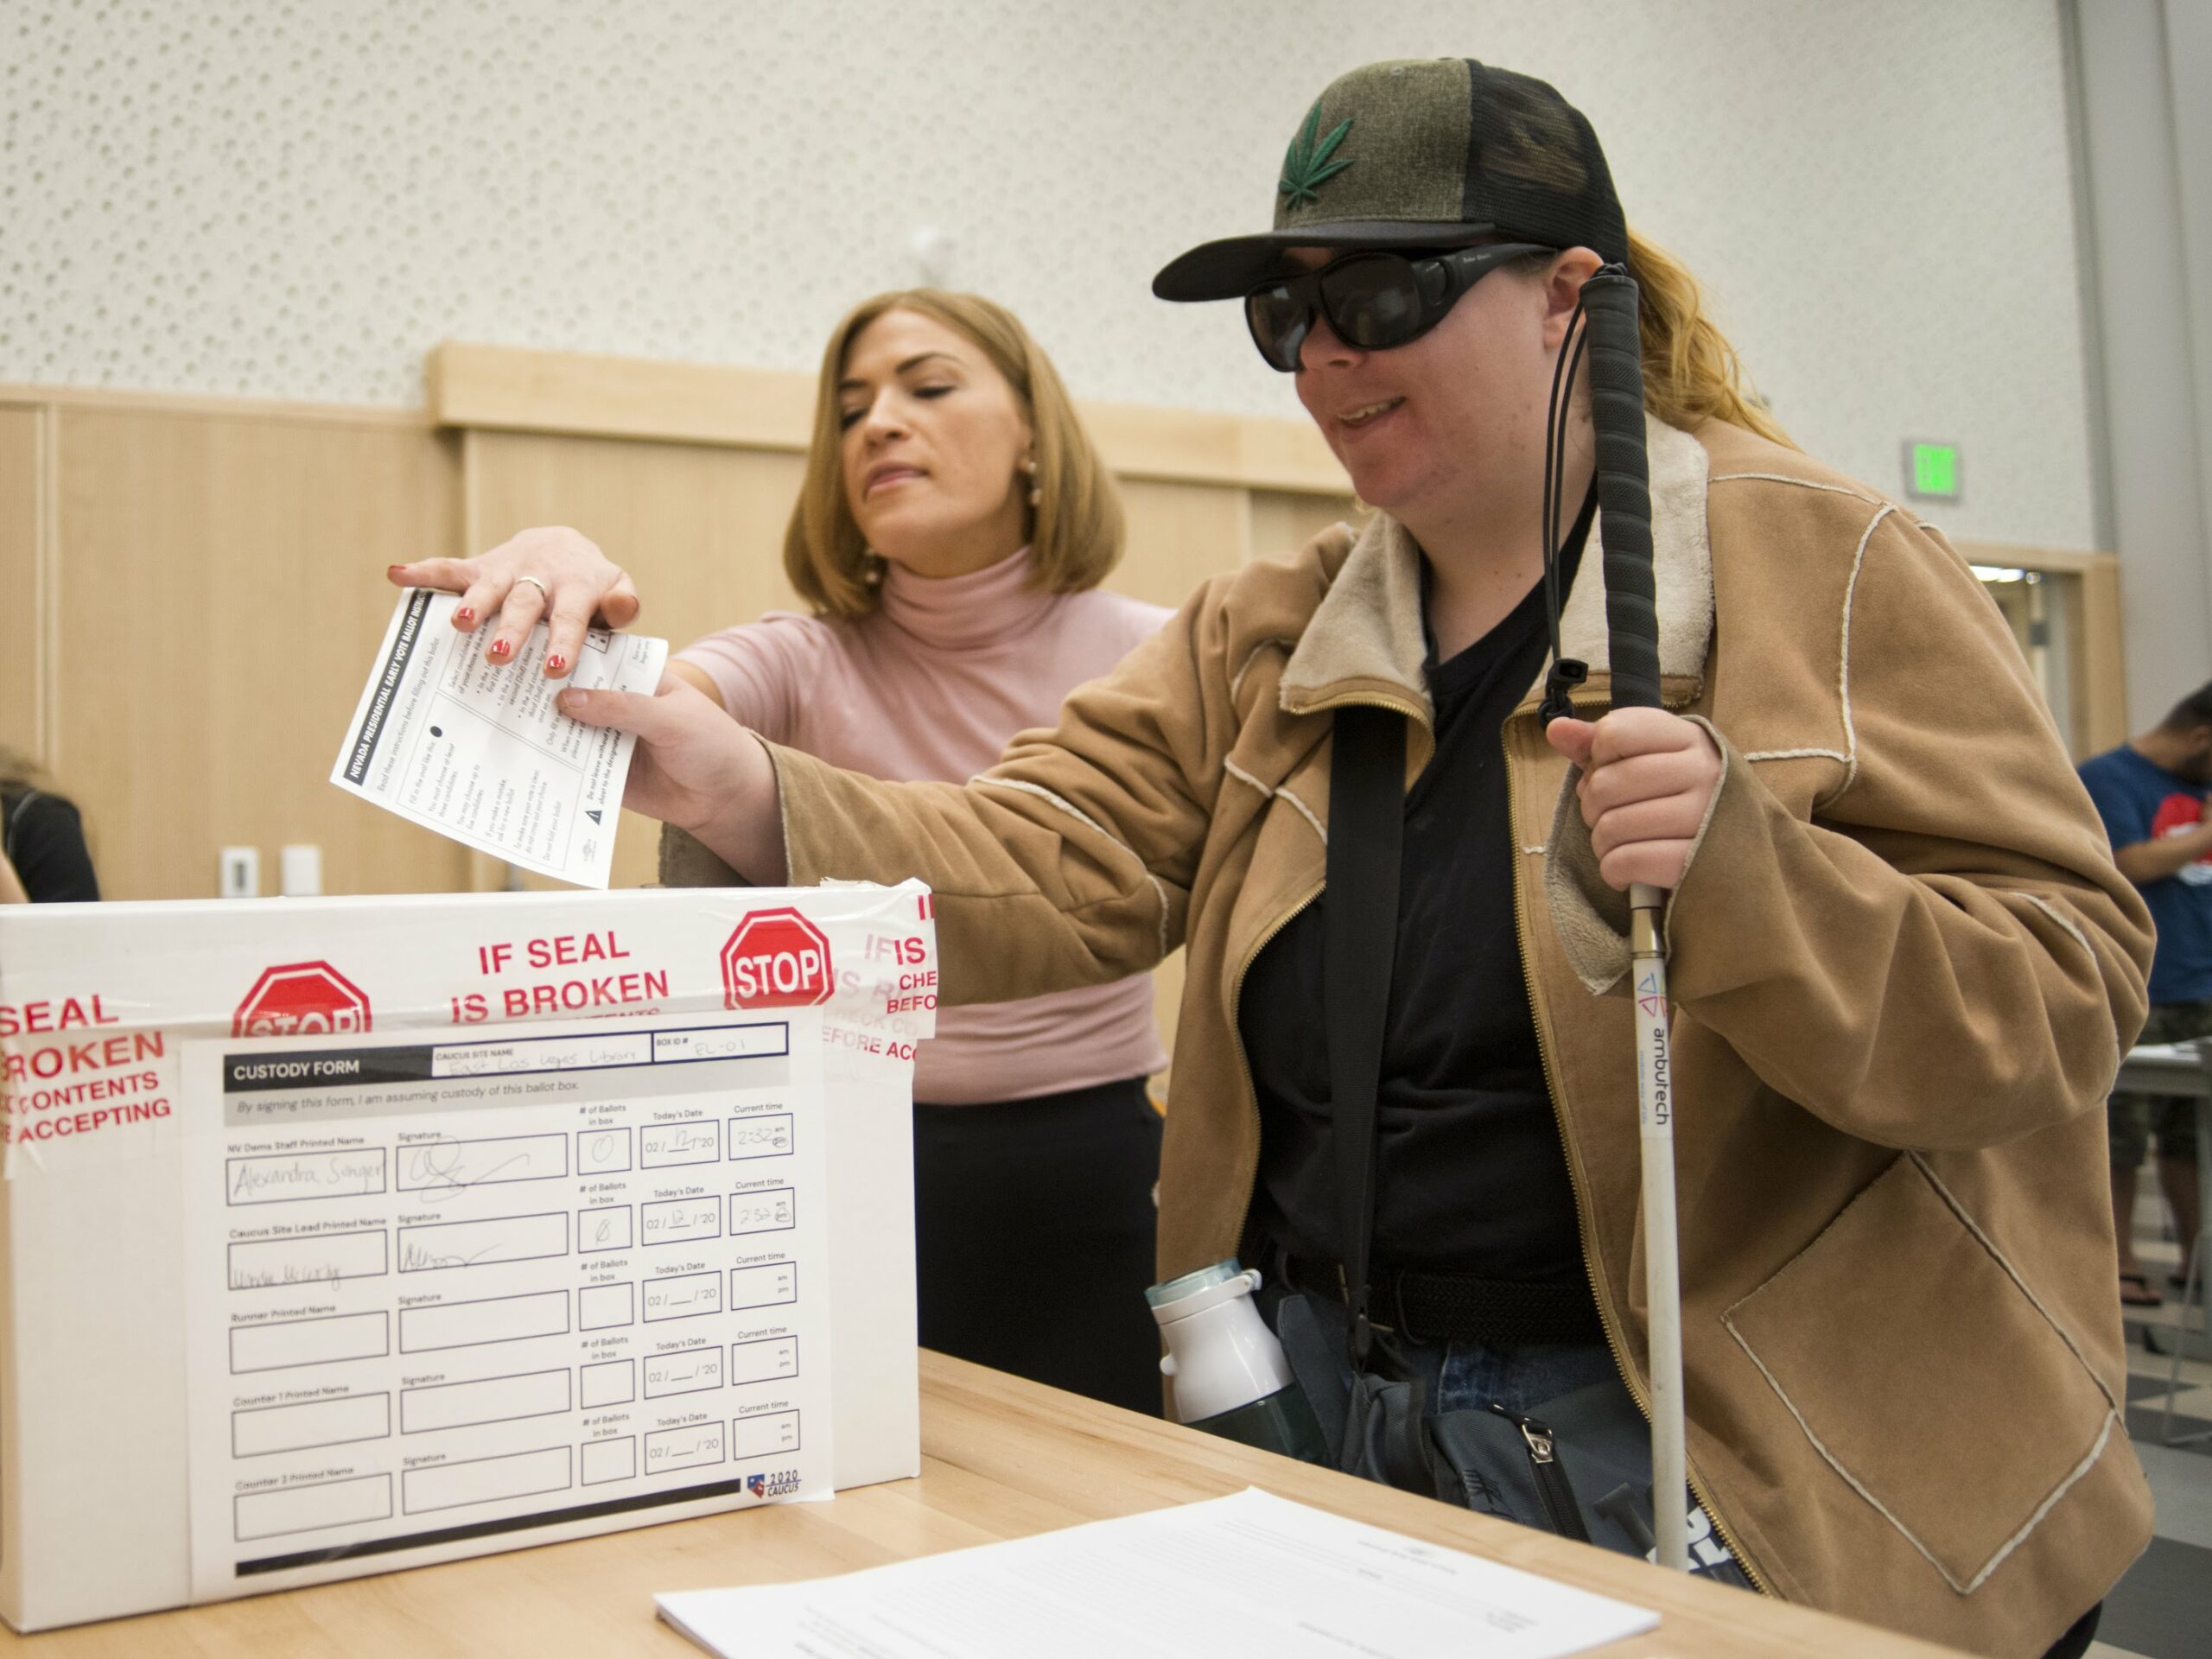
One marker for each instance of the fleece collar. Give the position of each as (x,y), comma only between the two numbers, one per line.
(1365,635)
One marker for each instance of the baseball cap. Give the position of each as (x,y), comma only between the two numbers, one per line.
(1422,153)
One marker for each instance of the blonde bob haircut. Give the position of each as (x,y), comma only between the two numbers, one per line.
(1075,529)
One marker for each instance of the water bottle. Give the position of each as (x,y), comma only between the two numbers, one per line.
(1230,1374)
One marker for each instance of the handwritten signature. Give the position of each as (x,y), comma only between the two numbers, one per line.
(340,1174)
(440,1168)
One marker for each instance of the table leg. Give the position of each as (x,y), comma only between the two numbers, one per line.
(2197,1343)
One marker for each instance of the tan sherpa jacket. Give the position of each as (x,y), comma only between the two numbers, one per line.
(1903,969)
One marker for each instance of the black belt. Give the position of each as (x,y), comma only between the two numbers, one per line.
(1426,1307)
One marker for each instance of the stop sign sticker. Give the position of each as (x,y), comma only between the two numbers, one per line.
(776,959)
(302,998)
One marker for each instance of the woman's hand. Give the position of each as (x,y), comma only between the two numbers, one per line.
(697,768)
(580,582)
(1648,777)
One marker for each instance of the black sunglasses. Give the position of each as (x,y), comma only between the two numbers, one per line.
(1373,299)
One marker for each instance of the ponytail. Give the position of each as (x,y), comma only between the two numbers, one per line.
(1691,373)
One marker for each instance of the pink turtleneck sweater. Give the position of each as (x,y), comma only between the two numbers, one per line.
(931,685)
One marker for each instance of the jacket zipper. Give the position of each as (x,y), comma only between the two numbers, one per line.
(1615,1343)
(1236,984)
(1552,1485)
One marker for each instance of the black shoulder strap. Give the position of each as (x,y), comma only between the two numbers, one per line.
(1367,807)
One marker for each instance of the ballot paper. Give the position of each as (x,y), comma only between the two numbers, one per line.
(1251,1573)
(478,752)
(438,1290)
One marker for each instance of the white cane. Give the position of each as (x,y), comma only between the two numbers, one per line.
(1662,1294)
(1609,301)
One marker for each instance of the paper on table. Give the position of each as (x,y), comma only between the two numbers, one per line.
(2179,1052)
(1251,1573)
(477,751)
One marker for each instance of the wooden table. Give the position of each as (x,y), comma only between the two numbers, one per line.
(2184,1071)
(1001,1459)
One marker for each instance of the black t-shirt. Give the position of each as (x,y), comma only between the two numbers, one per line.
(45,841)
(1470,1176)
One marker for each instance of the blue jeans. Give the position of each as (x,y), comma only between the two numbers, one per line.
(1462,1375)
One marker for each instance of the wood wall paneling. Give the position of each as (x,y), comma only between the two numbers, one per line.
(2100,690)
(221,596)
(23,593)
(2077,658)
(215,595)
(1283,521)
(510,388)
(515,388)
(1194,445)
(1179,535)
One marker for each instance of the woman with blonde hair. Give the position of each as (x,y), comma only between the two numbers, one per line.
(1903,966)
(950,533)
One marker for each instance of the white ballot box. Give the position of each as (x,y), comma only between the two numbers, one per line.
(346,1235)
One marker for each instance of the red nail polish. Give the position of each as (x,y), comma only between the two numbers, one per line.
(466,613)
(393,569)
(558,664)
(500,648)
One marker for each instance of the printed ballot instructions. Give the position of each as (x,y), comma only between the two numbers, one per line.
(1248,1573)
(449,1289)
(478,752)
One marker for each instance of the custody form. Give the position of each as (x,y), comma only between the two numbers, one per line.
(478,752)
(437,1290)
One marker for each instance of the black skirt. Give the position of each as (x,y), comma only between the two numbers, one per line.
(1033,1222)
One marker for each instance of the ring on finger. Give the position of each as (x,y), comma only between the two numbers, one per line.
(543,592)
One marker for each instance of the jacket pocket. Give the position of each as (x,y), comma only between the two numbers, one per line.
(1926,1373)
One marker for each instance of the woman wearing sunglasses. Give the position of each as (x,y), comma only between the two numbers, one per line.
(1903,966)
(951,529)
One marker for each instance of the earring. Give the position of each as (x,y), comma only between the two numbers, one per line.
(872,566)
(1036,495)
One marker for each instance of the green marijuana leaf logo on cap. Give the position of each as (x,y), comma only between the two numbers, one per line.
(1306,165)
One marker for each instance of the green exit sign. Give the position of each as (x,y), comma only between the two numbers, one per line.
(1931,471)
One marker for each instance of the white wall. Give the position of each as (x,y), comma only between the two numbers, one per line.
(2145,65)
(298,200)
